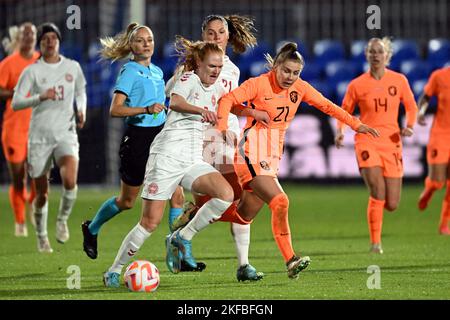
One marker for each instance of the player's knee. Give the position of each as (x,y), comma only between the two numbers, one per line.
(447,191)
(391,205)
(177,199)
(280,201)
(377,191)
(41,199)
(70,184)
(149,224)
(225,193)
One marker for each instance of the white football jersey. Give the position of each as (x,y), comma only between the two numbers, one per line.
(228,78)
(52,120)
(183,133)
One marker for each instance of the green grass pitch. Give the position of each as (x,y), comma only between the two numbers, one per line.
(328,223)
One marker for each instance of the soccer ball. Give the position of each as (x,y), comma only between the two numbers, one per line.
(141,276)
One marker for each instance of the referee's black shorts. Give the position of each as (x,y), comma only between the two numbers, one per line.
(134,151)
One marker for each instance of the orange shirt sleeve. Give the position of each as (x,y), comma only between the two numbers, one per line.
(317,100)
(407,97)
(431,86)
(4,74)
(245,92)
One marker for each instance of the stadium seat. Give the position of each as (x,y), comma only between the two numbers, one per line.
(438,52)
(245,60)
(326,51)
(94,51)
(358,55)
(415,69)
(310,72)
(338,71)
(323,88)
(403,50)
(417,87)
(257,68)
(301,47)
(341,89)
(72,51)
(169,61)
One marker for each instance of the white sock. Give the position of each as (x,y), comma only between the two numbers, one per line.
(66,203)
(241,235)
(207,214)
(40,215)
(130,245)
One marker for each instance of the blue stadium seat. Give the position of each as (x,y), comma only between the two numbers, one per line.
(72,51)
(245,60)
(415,69)
(169,50)
(338,71)
(323,88)
(326,51)
(403,50)
(341,89)
(358,54)
(257,68)
(301,47)
(417,87)
(169,61)
(311,71)
(357,50)
(94,51)
(438,52)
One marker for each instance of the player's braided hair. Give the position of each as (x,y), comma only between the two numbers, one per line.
(119,47)
(286,52)
(189,52)
(387,43)
(240,28)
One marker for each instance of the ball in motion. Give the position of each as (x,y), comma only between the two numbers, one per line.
(141,276)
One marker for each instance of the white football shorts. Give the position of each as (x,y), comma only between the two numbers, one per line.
(163,174)
(42,154)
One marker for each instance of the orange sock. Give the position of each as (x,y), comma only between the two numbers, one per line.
(231,215)
(375,219)
(279,206)
(430,187)
(17,200)
(445,211)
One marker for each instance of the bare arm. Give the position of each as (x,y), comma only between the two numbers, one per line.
(260,116)
(120,110)
(5,93)
(424,102)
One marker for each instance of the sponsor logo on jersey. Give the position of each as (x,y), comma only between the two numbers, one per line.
(213,100)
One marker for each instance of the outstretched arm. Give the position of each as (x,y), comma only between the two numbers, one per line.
(315,98)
